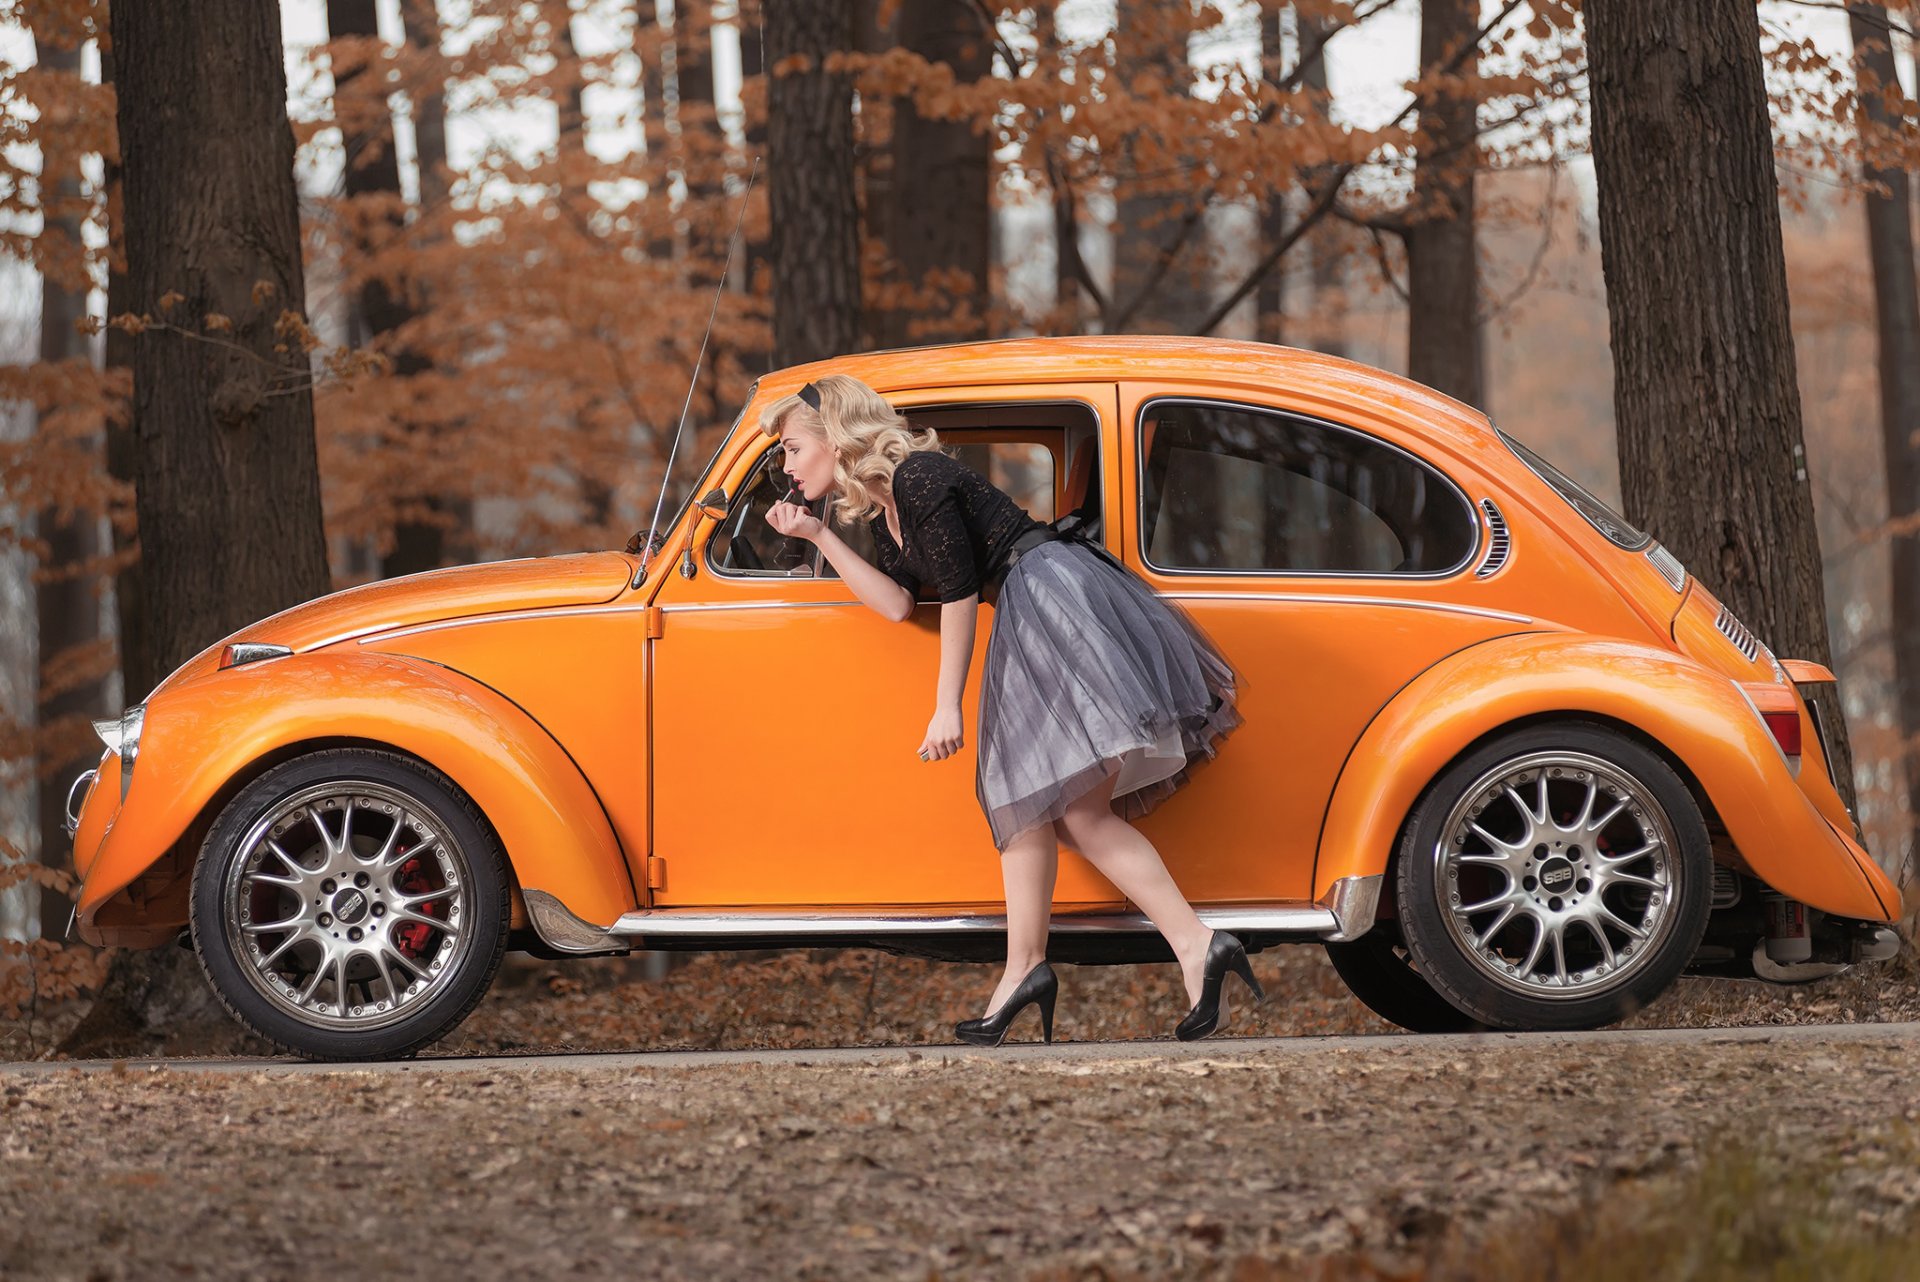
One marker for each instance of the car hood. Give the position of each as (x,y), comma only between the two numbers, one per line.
(531,583)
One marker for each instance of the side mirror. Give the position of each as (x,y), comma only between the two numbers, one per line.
(714,503)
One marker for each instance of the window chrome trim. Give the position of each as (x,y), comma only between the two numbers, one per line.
(1669,566)
(762,576)
(1140,496)
(1520,449)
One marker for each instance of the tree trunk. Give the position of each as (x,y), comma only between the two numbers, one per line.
(816,245)
(373,168)
(1705,398)
(755,276)
(1443,266)
(229,487)
(938,215)
(1270,296)
(1897,322)
(420,24)
(67,613)
(1160,269)
(137,675)
(1326,259)
(655,122)
(420,19)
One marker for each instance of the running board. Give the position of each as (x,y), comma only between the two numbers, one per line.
(1345,912)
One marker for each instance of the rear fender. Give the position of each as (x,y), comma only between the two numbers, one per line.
(1697,716)
(215,727)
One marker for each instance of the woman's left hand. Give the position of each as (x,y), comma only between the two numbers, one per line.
(943,735)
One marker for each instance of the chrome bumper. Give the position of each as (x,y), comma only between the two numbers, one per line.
(80,788)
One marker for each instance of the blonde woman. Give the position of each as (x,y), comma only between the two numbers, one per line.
(1094,690)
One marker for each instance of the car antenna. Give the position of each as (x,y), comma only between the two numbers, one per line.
(646,549)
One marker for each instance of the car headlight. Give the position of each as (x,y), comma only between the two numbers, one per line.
(123,737)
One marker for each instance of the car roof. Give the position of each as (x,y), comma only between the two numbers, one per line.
(1101,357)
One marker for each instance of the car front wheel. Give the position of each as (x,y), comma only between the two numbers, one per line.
(350,904)
(1558,877)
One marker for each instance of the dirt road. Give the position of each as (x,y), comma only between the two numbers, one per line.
(1095,1159)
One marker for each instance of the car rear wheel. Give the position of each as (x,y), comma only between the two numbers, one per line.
(350,904)
(1557,877)
(1378,971)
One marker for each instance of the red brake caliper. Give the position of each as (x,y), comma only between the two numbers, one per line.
(412,936)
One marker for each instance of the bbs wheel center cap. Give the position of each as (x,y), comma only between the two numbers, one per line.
(1556,876)
(349,906)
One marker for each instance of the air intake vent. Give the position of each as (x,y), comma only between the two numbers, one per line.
(1726,887)
(1501,544)
(1669,566)
(1737,634)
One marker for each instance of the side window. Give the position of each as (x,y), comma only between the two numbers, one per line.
(1022,468)
(746,545)
(1226,487)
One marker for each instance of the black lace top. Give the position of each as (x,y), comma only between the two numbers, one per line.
(958,526)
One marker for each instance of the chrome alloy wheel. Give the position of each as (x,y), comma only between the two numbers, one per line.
(1557,870)
(348,904)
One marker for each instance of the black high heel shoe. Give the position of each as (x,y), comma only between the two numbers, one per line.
(1209,1014)
(1038,986)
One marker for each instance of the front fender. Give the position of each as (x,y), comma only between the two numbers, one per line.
(211,728)
(1697,715)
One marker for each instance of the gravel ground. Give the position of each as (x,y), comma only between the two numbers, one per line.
(855,997)
(1228,1164)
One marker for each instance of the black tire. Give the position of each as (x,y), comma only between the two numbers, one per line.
(1489,912)
(407,957)
(1377,970)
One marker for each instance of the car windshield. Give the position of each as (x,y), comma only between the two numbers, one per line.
(1603,518)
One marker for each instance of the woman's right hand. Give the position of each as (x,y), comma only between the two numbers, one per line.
(795,521)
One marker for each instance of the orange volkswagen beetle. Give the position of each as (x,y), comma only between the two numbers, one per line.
(1503,757)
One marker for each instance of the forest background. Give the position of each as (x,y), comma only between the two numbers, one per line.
(514,214)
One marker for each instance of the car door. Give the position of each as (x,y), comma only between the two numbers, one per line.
(1331,566)
(786,714)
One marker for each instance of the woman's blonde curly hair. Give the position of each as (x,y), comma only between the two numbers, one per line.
(867,435)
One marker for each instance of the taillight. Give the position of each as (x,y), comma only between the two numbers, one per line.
(1786,730)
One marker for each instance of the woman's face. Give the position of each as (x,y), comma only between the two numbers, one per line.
(808,462)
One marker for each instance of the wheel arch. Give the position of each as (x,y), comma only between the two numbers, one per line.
(533,797)
(1693,719)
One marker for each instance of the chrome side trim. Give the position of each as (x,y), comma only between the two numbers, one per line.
(1291,918)
(1353,902)
(1291,598)
(508,616)
(84,782)
(689,607)
(563,932)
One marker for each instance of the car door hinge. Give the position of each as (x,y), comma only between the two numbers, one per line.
(656,873)
(656,622)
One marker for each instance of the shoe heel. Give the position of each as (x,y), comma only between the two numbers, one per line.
(1046,1014)
(1243,968)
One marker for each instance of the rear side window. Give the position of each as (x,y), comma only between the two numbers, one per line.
(1598,514)
(1228,488)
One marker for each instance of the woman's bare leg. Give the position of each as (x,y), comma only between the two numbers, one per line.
(1126,858)
(1027,868)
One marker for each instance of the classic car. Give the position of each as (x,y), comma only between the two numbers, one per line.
(1503,756)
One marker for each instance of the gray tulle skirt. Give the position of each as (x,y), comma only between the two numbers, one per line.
(1088,674)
